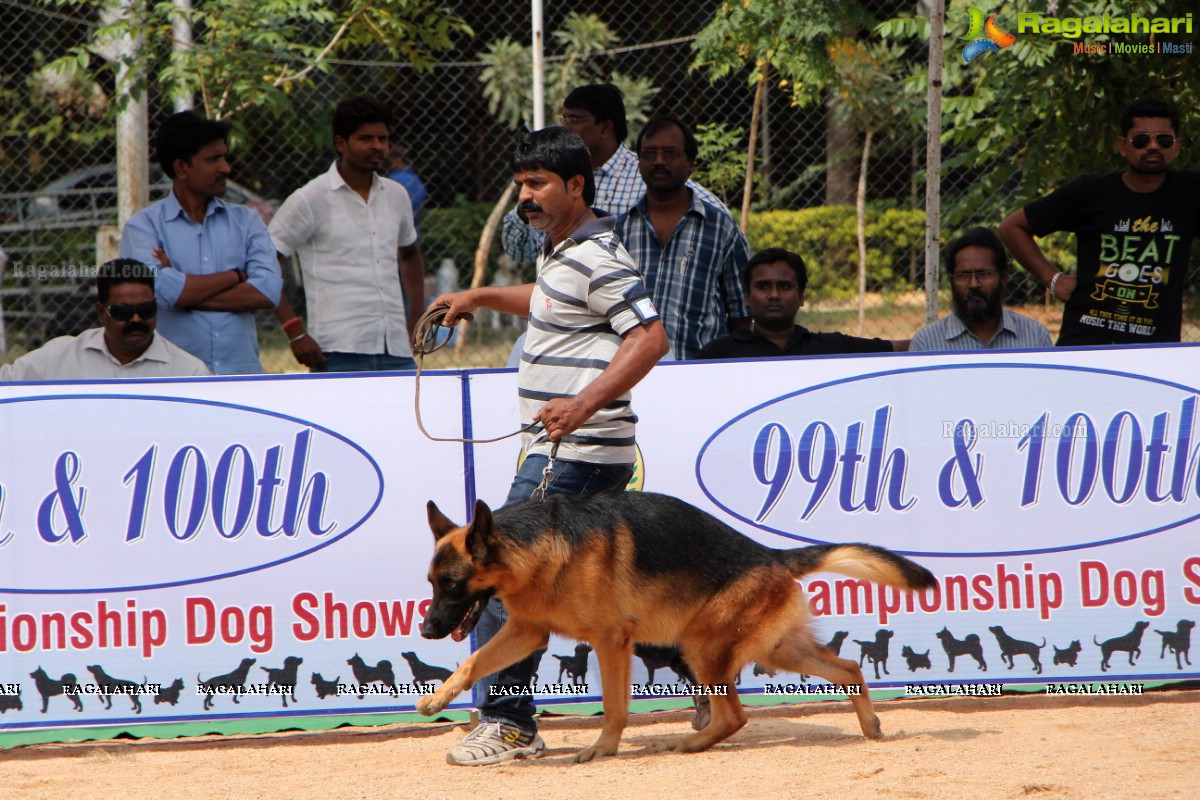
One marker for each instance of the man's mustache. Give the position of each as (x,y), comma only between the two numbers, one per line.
(135,327)
(530,205)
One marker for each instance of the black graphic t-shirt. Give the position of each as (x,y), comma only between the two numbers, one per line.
(1133,251)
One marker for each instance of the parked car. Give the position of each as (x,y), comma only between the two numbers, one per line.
(89,197)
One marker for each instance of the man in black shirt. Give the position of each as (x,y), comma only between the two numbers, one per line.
(775,280)
(1134,232)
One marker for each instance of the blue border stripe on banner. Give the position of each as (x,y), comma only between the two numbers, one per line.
(468,448)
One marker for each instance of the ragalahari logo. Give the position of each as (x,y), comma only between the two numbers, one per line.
(984,37)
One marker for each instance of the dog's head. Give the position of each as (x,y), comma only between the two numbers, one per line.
(463,573)
(177,684)
(996,629)
(907,651)
(1185,625)
(1141,625)
(293,661)
(883,634)
(1075,647)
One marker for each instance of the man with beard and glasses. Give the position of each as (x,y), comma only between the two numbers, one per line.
(977,266)
(216,263)
(689,250)
(356,239)
(125,346)
(775,280)
(1133,231)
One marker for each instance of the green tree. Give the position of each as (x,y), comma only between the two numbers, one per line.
(253,53)
(1019,122)
(789,39)
(509,64)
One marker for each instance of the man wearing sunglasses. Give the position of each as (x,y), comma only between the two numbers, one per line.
(1133,230)
(125,346)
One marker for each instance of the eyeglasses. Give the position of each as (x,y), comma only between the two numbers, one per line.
(982,275)
(668,154)
(123,312)
(1141,140)
(571,120)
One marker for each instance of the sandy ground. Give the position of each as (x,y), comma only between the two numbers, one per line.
(967,749)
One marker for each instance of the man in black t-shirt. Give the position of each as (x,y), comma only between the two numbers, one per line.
(1134,232)
(775,280)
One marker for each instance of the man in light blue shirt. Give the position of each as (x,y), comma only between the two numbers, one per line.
(216,262)
(978,267)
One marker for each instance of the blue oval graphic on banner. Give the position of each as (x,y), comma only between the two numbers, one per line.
(109,485)
(1003,459)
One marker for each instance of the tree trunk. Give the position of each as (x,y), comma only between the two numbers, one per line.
(860,210)
(748,187)
(839,158)
(481,255)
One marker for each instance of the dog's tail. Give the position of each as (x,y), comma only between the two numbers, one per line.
(863,561)
(1095,642)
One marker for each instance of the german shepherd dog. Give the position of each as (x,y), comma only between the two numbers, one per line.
(614,569)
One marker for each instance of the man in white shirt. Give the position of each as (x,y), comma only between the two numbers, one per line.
(354,234)
(126,345)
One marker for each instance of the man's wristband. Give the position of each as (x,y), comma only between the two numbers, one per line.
(1054,283)
(241,275)
(294,322)
(295,339)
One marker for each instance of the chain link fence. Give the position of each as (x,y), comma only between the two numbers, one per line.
(58,174)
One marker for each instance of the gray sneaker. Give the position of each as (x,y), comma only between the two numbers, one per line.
(495,741)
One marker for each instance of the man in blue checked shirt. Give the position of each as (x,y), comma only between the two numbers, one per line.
(596,113)
(216,261)
(690,251)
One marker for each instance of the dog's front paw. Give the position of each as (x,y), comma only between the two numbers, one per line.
(589,753)
(430,704)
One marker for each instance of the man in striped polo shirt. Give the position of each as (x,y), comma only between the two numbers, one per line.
(593,334)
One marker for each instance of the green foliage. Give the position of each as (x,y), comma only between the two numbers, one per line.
(788,35)
(453,232)
(254,53)
(825,238)
(720,163)
(584,37)
(1037,114)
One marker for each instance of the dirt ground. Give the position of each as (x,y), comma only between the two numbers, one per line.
(967,749)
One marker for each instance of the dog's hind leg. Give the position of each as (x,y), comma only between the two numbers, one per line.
(513,642)
(797,654)
(616,665)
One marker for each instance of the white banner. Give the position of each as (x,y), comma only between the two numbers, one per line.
(168,533)
(1054,495)
(190,540)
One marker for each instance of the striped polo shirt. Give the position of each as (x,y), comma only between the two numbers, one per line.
(588,295)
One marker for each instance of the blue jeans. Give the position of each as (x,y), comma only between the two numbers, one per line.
(572,477)
(367,362)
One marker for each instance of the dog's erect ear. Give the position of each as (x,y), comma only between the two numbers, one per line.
(479,537)
(438,523)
